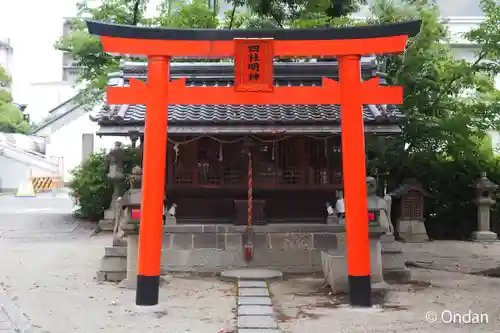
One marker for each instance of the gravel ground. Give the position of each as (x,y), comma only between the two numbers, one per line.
(53,283)
(305,305)
(455,256)
(49,265)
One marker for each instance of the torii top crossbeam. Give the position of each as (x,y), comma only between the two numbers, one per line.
(361,40)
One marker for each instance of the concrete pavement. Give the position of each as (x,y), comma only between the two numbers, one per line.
(47,216)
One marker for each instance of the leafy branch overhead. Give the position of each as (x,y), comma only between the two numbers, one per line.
(87,51)
(95,65)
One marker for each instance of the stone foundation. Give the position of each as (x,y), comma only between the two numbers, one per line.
(393,260)
(412,231)
(334,265)
(290,248)
(106,225)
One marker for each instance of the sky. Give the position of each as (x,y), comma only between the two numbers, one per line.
(33,26)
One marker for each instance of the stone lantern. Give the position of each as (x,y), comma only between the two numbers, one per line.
(128,225)
(485,191)
(116,175)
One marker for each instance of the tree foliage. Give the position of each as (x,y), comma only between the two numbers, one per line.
(91,190)
(87,50)
(11,118)
(449,103)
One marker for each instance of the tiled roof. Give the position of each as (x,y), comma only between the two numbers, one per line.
(244,114)
(408,185)
(227,115)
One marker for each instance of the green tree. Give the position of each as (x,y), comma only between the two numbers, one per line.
(11,118)
(449,103)
(87,50)
(282,13)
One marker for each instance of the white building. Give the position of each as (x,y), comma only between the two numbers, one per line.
(64,135)
(69,69)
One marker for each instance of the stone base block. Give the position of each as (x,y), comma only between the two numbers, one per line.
(393,260)
(335,270)
(170,220)
(332,219)
(110,276)
(486,236)
(115,251)
(412,231)
(106,225)
(113,264)
(334,265)
(109,214)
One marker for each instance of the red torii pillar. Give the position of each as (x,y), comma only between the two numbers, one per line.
(254,51)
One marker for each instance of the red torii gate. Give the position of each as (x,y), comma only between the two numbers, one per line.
(253,51)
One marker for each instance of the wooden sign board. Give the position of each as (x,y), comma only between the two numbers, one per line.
(253,64)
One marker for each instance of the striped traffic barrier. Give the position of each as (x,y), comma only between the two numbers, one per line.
(44,183)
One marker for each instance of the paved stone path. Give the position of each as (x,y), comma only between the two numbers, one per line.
(255,312)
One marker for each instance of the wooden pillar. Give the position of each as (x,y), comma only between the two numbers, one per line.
(192,158)
(151,226)
(303,160)
(355,198)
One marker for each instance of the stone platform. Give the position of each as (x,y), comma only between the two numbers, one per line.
(288,248)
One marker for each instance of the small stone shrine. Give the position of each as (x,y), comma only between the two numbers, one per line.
(409,211)
(485,199)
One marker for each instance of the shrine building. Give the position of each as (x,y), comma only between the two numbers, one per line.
(296,149)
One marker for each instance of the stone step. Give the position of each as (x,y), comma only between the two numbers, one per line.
(251,284)
(254,300)
(255,310)
(251,274)
(253,292)
(256,322)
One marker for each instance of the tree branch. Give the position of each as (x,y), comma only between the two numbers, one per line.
(136,12)
(481,56)
(232,15)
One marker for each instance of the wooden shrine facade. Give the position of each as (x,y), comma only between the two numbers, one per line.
(279,162)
